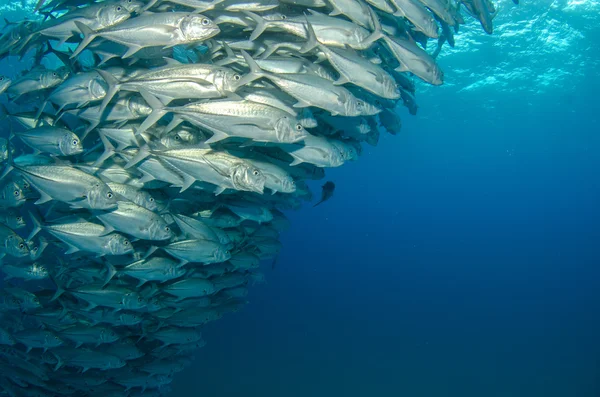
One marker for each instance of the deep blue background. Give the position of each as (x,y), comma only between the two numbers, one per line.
(459,258)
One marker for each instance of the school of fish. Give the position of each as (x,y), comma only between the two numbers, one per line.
(148,154)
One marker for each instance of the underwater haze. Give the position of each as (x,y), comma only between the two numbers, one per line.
(460,257)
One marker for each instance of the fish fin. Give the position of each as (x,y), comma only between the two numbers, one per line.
(72,249)
(188,181)
(301,104)
(37,225)
(141,282)
(217,136)
(255,71)
(59,288)
(296,161)
(84,370)
(311,42)
(88,36)
(322,200)
(261,24)
(173,124)
(377,32)
(131,50)
(113,89)
(44,198)
(219,190)
(108,229)
(28,349)
(109,150)
(341,81)
(150,251)
(335,13)
(78,345)
(142,153)
(158,111)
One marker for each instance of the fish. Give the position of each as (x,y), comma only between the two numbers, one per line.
(150,150)
(327,192)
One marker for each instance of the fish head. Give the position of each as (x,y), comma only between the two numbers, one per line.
(133,301)
(70,144)
(5,82)
(228,81)
(37,271)
(307,119)
(197,27)
(15,221)
(160,231)
(221,254)
(13,194)
(133,6)
(373,137)
(107,335)
(118,244)
(52,340)
(247,177)
(138,107)
(289,130)
(287,185)
(129,319)
(100,197)
(178,139)
(113,14)
(146,200)
(115,362)
(15,246)
(97,88)
(365,108)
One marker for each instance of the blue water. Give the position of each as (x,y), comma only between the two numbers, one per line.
(459,258)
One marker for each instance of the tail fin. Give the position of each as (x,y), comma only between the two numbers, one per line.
(311,41)
(377,33)
(113,89)
(255,71)
(261,24)
(37,225)
(158,111)
(110,273)
(88,36)
(109,150)
(59,289)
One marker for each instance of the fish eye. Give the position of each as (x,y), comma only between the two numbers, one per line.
(205,21)
(21,246)
(1,78)
(177,137)
(109,195)
(283,17)
(75,142)
(151,199)
(56,337)
(119,8)
(140,299)
(126,242)
(167,228)
(16,193)
(19,219)
(359,104)
(54,74)
(237,77)
(299,127)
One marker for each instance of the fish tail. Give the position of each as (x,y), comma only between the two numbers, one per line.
(113,89)
(311,42)
(318,203)
(110,272)
(88,36)
(255,71)
(261,24)
(377,31)
(109,150)
(158,111)
(37,225)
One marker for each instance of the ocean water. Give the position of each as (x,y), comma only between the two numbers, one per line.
(459,258)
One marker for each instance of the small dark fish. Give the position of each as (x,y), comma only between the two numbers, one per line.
(516,2)
(327,192)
